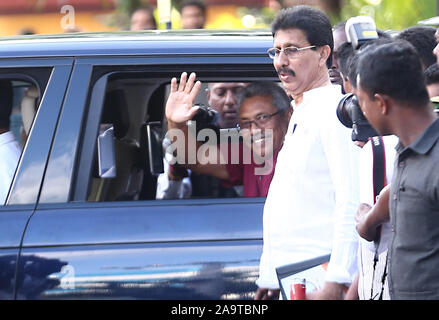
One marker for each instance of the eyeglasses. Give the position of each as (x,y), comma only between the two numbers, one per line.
(260,121)
(290,52)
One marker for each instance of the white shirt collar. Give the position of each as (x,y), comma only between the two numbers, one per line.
(314,93)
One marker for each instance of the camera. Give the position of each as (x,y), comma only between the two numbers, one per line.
(350,115)
(205,118)
(360,30)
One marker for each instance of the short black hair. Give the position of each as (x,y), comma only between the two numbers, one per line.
(353,69)
(424,40)
(266,88)
(313,22)
(393,69)
(432,74)
(345,51)
(196,3)
(5,103)
(352,63)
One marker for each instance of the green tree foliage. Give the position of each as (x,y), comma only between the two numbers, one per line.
(389,14)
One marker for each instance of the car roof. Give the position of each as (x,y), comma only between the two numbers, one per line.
(152,42)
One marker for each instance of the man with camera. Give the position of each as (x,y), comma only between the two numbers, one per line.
(264,110)
(392,95)
(313,197)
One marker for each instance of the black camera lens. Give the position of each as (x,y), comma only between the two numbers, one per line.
(350,115)
(344,112)
(205,115)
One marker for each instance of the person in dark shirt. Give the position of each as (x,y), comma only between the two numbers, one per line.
(393,97)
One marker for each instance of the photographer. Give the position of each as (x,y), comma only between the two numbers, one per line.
(385,73)
(372,282)
(264,111)
(376,161)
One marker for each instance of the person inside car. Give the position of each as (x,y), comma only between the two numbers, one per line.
(9,148)
(179,183)
(264,112)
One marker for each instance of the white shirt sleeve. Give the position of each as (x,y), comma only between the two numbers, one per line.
(343,160)
(170,189)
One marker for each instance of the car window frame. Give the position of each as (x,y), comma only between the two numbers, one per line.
(25,187)
(259,67)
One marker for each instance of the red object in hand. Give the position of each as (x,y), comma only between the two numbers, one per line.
(298,290)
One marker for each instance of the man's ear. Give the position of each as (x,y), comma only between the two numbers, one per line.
(384,102)
(325,52)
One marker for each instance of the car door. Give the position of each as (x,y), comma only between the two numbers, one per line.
(149,249)
(49,78)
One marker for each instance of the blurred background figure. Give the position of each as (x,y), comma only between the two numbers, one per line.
(143,19)
(339,35)
(193,14)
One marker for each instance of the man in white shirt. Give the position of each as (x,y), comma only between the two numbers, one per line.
(313,196)
(9,148)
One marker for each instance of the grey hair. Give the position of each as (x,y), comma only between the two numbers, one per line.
(281,101)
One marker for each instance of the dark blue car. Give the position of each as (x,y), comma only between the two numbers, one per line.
(71,229)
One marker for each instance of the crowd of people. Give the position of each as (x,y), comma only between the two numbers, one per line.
(193,16)
(323,195)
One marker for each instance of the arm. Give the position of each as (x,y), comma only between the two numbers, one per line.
(179,109)
(330,291)
(369,219)
(342,158)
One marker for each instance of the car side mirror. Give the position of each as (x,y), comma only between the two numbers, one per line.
(106,154)
(154,137)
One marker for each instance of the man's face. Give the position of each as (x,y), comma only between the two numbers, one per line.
(371,109)
(339,38)
(436,49)
(223,98)
(297,73)
(192,18)
(271,132)
(142,20)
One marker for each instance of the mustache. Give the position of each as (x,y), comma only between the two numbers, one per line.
(286,70)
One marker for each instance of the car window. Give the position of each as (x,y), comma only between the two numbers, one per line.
(131,130)
(20,96)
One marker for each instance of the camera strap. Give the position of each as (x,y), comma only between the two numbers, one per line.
(379,182)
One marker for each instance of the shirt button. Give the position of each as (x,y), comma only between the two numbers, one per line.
(395,197)
(402,164)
